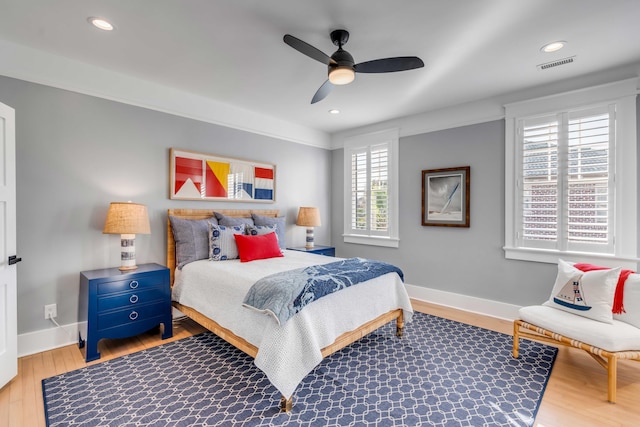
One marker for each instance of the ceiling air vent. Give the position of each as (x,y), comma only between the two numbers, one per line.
(557,63)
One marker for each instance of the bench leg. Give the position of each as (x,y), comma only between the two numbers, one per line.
(612,373)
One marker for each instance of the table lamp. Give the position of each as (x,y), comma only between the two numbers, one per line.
(309,217)
(127,219)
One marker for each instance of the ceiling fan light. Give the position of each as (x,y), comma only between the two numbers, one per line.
(342,75)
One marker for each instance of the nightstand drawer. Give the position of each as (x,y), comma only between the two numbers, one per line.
(131,299)
(130,315)
(135,284)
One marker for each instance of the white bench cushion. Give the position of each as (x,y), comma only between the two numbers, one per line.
(616,336)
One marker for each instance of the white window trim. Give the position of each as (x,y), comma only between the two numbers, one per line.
(390,136)
(622,93)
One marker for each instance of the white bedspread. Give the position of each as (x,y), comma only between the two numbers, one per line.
(286,354)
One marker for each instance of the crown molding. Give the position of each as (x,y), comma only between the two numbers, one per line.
(32,65)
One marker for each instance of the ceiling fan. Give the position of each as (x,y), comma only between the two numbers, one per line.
(342,67)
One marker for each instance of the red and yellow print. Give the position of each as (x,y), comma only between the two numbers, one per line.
(216,179)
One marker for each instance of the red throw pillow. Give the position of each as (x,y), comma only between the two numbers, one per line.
(251,248)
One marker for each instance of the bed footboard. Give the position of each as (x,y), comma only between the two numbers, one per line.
(341,342)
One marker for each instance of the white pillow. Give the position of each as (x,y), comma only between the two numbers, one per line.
(588,294)
(631,301)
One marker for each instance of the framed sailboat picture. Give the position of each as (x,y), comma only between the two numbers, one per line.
(445,197)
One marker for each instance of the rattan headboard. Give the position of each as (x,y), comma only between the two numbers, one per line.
(202,214)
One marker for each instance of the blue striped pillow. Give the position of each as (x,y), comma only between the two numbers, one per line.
(222,245)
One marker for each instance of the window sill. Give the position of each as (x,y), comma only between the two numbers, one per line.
(552,256)
(372,240)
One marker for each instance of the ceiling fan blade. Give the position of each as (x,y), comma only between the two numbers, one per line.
(389,65)
(307,49)
(322,93)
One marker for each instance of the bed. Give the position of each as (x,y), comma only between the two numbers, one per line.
(288,352)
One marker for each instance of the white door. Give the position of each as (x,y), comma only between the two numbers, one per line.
(8,259)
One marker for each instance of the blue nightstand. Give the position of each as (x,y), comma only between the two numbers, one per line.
(317,249)
(118,304)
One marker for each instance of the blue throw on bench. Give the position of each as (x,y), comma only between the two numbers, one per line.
(284,294)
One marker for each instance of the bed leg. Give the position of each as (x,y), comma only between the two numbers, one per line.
(516,339)
(400,325)
(286,404)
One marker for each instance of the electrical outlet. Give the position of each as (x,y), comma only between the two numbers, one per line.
(50,311)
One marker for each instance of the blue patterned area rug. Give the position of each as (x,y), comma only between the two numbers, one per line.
(441,373)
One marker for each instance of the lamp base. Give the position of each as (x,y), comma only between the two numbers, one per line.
(128,252)
(310,243)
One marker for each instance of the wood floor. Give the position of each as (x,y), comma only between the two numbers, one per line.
(575,396)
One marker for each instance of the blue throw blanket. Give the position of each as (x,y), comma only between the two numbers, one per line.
(286,293)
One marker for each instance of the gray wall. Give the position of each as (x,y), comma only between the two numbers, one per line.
(77,153)
(467,261)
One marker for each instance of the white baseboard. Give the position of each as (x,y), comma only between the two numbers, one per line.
(464,302)
(49,339)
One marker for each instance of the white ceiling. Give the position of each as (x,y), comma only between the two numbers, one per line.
(231,52)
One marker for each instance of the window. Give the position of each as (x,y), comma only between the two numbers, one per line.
(571,180)
(370,193)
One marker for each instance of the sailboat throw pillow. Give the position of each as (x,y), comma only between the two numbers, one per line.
(588,294)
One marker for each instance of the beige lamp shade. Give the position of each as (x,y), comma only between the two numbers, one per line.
(127,218)
(308,217)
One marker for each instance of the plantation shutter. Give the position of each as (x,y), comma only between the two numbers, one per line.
(379,184)
(359,193)
(590,184)
(540,190)
(369,190)
(566,184)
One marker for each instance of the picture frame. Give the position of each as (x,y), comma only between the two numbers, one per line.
(445,197)
(201,176)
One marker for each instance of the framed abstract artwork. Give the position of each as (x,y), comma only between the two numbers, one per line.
(445,197)
(199,176)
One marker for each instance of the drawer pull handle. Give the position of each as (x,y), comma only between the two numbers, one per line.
(133,299)
(133,315)
(133,284)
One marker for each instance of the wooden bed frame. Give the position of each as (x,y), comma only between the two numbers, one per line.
(238,342)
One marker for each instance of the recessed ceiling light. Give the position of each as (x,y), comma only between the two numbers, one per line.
(553,46)
(100,23)
(334,111)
